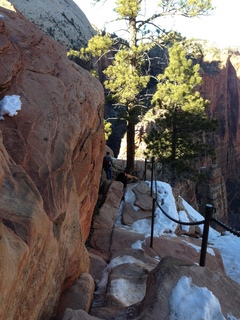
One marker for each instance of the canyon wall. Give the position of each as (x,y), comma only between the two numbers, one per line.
(49,168)
(221,86)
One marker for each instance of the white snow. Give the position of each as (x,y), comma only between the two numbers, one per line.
(137,244)
(123,260)
(198,248)
(10,105)
(188,301)
(184,218)
(135,291)
(162,223)
(229,245)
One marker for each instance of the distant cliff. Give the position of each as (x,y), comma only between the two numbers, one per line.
(221,85)
(62,20)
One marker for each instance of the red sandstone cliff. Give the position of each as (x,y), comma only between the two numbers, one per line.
(221,85)
(49,168)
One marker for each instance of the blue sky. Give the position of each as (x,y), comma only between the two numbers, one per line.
(222,27)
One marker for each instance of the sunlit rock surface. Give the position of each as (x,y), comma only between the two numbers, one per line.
(62,20)
(49,168)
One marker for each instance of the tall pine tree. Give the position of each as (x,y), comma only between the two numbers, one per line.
(180,133)
(128,75)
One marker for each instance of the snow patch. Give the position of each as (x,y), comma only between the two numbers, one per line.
(186,296)
(137,244)
(10,105)
(184,218)
(135,291)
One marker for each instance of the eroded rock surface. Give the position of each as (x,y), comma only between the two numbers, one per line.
(146,284)
(49,168)
(62,20)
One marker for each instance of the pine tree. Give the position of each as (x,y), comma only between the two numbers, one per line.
(128,75)
(180,134)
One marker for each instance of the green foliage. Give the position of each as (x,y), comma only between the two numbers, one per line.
(73,53)
(129,74)
(128,9)
(175,87)
(125,79)
(187,8)
(97,46)
(107,129)
(181,132)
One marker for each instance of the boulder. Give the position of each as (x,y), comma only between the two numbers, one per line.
(187,248)
(130,215)
(160,283)
(104,221)
(70,314)
(78,296)
(49,168)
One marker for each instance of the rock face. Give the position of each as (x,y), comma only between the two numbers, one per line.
(221,85)
(49,168)
(62,20)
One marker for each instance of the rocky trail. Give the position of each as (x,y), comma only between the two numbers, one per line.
(133,280)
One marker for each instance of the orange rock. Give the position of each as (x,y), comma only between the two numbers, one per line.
(49,169)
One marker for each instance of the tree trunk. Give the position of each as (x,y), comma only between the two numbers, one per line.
(130,147)
(173,152)
(131,120)
(174,137)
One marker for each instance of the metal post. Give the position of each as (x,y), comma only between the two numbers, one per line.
(145,170)
(208,215)
(152,224)
(152,177)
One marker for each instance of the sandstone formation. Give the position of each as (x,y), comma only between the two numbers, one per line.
(49,168)
(221,79)
(62,20)
(104,222)
(78,297)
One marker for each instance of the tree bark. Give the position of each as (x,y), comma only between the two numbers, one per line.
(130,147)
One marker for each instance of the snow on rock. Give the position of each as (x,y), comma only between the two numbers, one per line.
(136,292)
(229,245)
(10,105)
(186,295)
(197,290)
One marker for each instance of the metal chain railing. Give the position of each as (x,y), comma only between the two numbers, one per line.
(178,221)
(208,216)
(223,225)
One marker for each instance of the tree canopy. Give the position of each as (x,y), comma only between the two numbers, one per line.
(129,74)
(180,134)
